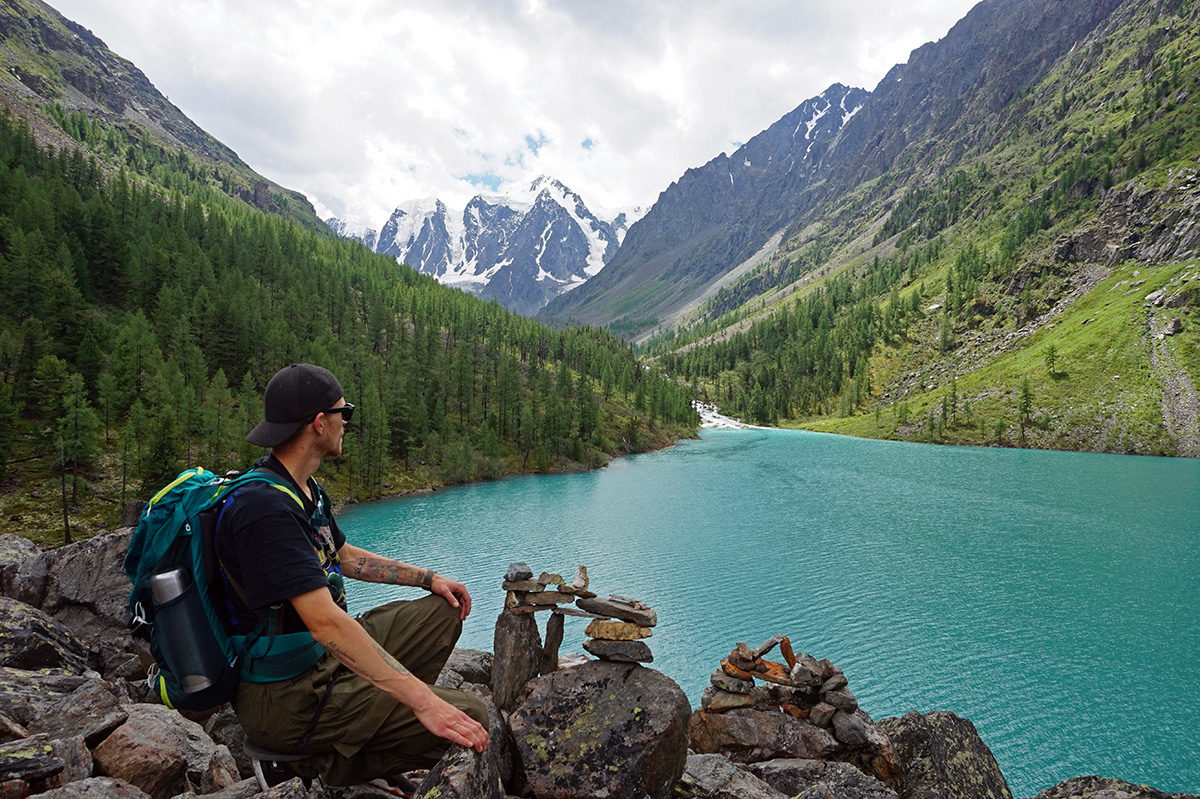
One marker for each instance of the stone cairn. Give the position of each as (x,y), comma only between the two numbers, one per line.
(814,692)
(616,631)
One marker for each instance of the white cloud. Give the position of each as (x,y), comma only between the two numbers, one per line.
(363,104)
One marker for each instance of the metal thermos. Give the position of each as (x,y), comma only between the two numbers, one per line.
(185,636)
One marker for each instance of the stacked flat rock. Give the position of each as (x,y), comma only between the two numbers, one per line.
(548,592)
(619,629)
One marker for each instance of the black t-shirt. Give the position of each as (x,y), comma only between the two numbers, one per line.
(275,550)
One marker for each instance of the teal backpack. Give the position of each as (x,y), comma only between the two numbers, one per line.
(186,633)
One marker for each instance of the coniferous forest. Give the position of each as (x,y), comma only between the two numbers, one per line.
(142,311)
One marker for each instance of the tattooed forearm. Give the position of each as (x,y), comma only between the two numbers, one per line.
(355,665)
(375,569)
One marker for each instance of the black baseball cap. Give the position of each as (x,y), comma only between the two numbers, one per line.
(294,396)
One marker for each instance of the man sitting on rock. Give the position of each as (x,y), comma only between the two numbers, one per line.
(367,708)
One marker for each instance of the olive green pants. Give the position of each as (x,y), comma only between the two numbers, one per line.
(362,733)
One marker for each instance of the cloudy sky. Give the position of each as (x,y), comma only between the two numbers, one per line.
(364,104)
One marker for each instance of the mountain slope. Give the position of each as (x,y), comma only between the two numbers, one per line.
(991,270)
(52,68)
(711,219)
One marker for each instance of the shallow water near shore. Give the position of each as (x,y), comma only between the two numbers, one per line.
(1052,598)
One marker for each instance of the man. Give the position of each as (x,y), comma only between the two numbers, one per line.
(367,708)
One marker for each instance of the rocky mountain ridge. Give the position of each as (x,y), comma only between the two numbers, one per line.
(51,65)
(521,251)
(713,218)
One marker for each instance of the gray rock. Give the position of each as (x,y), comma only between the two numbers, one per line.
(26,696)
(245,789)
(716,777)
(1105,788)
(794,776)
(734,685)
(767,645)
(718,701)
(224,728)
(822,714)
(292,789)
(876,757)
(621,651)
(517,572)
(834,683)
(87,590)
(501,747)
(98,788)
(554,638)
(646,617)
(750,735)
(1155,297)
(14,550)
(1174,327)
(943,755)
(473,664)
(518,647)
(91,710)
(602,729)
(28,585)
(849,728)
(462,774)
(220,772)
(449,679)
(40,763)
(33,640)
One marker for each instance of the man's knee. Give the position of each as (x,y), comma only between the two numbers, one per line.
(474,707)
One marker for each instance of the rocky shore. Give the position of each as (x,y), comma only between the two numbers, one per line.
(76,718)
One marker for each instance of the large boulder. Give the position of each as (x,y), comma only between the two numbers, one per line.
(87,590)
(518,646)
(795,776)
(33,640)
(942,755)
(747,735)
(602,729)
(164,754)
(1104,788)
(462,774)
(716,777)
(83,586)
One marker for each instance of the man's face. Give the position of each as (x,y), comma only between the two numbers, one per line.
(335,429)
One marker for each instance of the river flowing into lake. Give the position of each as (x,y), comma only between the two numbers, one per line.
(1052,598)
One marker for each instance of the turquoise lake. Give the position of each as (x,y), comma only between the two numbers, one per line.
(1051,598)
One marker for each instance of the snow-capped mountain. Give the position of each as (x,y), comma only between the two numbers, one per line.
(352,230)
(522,251)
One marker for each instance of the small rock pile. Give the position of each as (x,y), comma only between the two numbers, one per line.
(618,635)
(805,709)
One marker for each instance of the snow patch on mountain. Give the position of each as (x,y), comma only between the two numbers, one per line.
(522,250)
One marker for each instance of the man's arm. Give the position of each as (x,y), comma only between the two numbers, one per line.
(369,567)
(347,641)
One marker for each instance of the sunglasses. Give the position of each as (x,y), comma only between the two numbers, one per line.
(347,411)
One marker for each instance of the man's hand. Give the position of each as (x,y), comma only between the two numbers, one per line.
(446,721)
(453,592)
